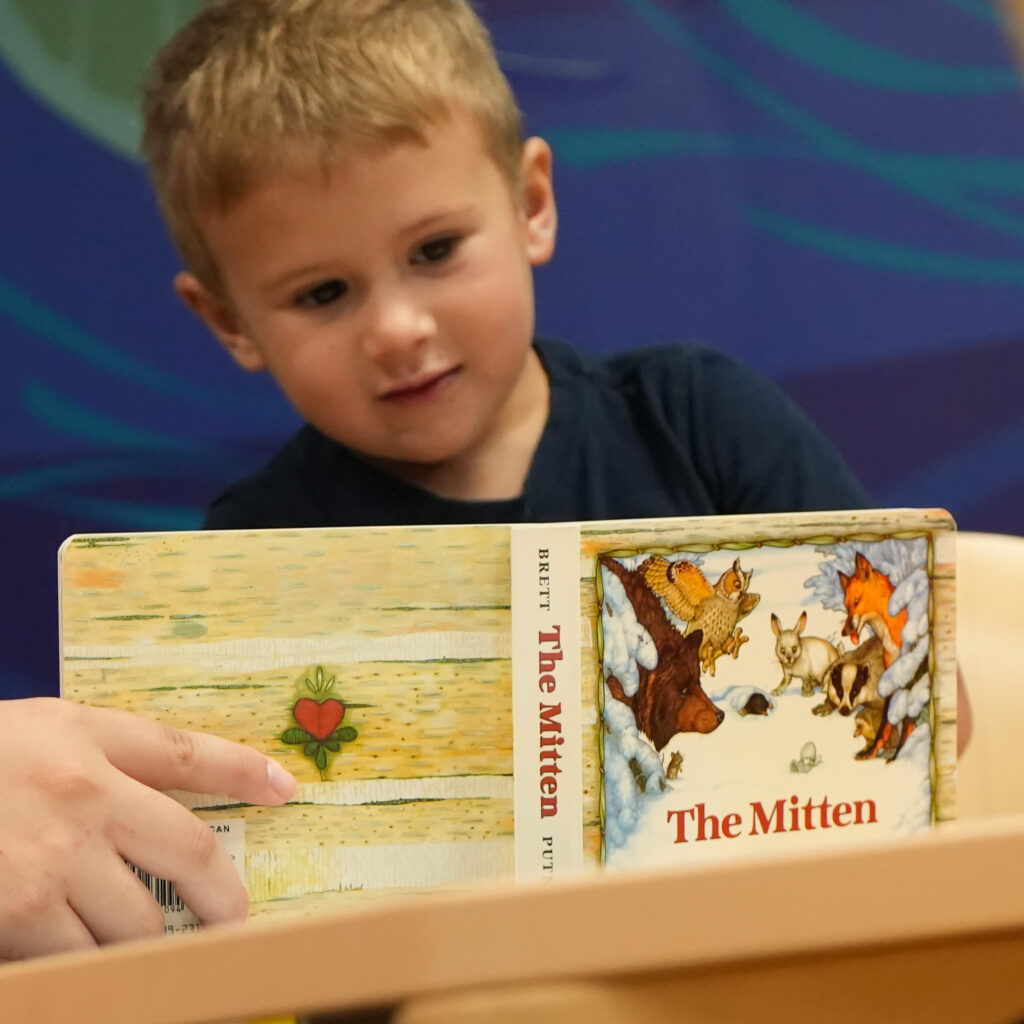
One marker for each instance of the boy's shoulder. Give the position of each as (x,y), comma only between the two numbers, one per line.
(677,360)
(685,377)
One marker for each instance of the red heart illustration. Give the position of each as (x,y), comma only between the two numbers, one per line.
(319,719)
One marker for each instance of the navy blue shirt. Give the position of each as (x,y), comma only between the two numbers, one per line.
(678,430)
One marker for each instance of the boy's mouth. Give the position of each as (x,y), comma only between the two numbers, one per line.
(422,387)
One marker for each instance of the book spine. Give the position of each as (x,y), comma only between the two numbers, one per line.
(547,707)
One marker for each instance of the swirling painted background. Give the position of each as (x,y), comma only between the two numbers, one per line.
(833,191)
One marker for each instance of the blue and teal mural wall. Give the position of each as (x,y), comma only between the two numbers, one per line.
(833,191)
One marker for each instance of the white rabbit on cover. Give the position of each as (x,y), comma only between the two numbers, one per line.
(802,657)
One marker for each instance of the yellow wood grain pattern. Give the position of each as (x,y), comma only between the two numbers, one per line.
(293,852)
(220,631)
(420,720)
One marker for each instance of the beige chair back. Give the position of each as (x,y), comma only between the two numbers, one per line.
(990,648)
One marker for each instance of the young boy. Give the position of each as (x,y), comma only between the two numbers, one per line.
(347,183)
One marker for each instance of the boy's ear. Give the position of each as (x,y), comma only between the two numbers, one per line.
(539,201)
(222,320)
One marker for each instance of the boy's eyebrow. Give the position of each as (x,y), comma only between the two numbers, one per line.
(436,216)
(299,272)
(423,224)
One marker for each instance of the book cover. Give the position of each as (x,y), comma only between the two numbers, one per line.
(480,702)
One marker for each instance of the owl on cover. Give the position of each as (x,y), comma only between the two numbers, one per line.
(716,610)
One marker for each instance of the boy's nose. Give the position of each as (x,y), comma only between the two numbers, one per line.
(393,324)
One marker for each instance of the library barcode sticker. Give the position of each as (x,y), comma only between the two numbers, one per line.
(178,919)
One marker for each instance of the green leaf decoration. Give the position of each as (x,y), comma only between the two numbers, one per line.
(318,685)
(317,682)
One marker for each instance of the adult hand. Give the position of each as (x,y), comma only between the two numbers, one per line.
(80,794)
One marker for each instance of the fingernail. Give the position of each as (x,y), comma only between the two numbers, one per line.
(281,782)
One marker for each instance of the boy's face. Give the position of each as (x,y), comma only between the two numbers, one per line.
(392,297)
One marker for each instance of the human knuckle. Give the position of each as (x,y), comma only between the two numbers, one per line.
(70,781)
(181,747)
(48,715)
(58,843)
(203,845)
(69,716)
(71,711)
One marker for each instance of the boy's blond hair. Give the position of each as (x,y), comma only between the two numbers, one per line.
(251,87)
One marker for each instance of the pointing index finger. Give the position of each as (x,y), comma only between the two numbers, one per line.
(164,757)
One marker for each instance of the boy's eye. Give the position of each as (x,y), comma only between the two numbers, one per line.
(433,252)
(324,294)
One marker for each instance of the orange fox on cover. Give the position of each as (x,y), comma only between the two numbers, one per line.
(866,595)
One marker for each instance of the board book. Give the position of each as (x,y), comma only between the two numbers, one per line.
(463,703)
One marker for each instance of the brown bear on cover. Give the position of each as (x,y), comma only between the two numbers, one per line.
(669,698)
